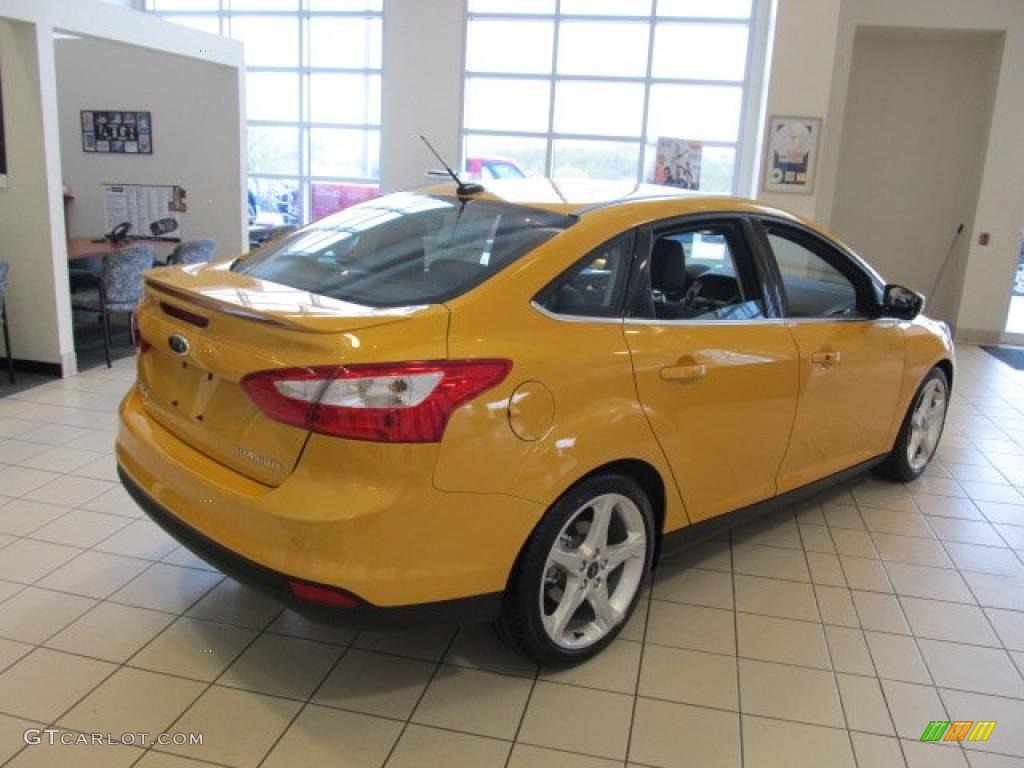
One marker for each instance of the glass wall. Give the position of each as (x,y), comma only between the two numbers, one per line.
(585,88)
(313,84)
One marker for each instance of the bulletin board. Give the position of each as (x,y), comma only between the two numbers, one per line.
(152,210)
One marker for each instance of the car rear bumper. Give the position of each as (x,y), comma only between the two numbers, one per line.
(363,615)
(363,518)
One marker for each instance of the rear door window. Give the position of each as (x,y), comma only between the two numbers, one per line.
(405,249)
(596,285)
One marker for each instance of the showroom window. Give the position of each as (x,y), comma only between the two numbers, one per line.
(313,85)
(586,88)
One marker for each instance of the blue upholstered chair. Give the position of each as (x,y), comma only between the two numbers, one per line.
(193,252)
(117,288)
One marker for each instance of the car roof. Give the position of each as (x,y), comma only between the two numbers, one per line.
(582,197)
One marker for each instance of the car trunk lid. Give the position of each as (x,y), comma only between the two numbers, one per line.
(208,327)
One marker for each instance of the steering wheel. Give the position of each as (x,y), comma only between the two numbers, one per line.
(696,301)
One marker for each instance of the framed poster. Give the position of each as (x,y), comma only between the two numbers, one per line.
(121,132)
(791,155)
(3,141)
(677,163)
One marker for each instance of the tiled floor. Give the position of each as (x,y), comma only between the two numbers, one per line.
(828,636)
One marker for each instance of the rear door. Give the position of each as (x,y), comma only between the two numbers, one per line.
(716,370)
(851,360)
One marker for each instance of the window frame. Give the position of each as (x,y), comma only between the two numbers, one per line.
(615,314)
(867,284)
(305,127)
(746,260)
(751,86)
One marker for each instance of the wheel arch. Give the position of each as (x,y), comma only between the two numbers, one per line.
(644,474)
(946,366)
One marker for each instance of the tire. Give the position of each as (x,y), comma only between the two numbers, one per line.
(923,425)
(565,566)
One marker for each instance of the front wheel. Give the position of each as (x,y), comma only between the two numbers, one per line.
(579,576)
(922,427)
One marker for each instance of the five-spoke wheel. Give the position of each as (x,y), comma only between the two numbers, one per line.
(579,576)
(919,436)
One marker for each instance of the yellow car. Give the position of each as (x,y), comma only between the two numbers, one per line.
(504,405)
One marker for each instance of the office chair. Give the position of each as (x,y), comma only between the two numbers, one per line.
(117,288)
(193,252)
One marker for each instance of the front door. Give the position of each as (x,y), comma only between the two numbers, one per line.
(716,377)
(851,361)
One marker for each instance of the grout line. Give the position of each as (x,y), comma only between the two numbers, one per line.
(736,643)
(640,664)
(831,661)
(871,657)
(423,693)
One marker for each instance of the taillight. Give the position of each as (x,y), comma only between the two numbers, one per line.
(141,345)
(392,402)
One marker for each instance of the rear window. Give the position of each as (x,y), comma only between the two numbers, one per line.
(404,249)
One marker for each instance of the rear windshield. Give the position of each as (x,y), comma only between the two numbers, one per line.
(404,249)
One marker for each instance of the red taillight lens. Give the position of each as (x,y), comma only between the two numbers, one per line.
(141,345)
(393,402)
(322,594)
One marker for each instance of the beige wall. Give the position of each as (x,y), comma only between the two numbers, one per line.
(32,232)
(195,110)
(812,61)
(422,89)
(36,295)
(918,113)
(802,52)
(989,269)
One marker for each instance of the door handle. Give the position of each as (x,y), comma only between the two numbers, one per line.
(684,373)
(825,358)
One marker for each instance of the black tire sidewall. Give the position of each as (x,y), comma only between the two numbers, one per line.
(526,589)
(899,464)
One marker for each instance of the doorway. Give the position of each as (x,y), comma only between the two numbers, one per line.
(1015,317)
(913,146)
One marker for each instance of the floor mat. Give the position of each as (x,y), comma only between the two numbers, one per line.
(1012,356)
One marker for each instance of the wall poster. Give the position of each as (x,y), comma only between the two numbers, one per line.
(792,154)
(677,163)
(152,210)
(119,132)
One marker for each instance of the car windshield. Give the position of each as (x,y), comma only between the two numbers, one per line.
(404,249)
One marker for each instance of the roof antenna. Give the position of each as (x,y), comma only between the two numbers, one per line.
(464,189)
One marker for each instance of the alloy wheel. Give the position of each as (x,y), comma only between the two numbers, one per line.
(926,424)
(593,571)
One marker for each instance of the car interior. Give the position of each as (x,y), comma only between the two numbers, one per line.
(693,275)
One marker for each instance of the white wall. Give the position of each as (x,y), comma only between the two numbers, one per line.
(918,114)
(31,208)
(421,89)
(35,298)
(195,108)
(1000,211)
(800,82)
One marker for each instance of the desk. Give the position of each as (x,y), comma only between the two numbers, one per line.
(85,248)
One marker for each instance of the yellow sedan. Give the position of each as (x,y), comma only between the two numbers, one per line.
(505,405)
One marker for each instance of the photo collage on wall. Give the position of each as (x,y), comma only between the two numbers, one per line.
(117,132)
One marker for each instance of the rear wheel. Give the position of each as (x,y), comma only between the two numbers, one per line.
(578,578)
(922,428)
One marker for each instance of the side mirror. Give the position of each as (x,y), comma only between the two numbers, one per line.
(901,303)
